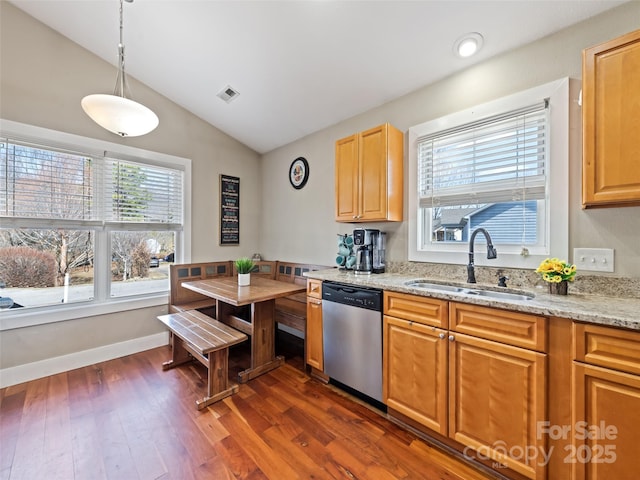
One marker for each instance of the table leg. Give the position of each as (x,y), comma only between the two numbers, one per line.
(263,352)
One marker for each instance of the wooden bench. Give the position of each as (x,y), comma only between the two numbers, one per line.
(181,299)
(292,310)
(196,335)
(262,268)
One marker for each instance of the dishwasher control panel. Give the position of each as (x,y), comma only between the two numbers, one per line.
(362,297)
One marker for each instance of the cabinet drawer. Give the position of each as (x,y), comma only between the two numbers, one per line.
(314,288)
(607,347)
(518,329)
(428,311)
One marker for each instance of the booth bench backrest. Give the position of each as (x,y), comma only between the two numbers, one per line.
(290,311)
(178,273)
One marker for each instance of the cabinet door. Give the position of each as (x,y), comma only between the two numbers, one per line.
(608,402)
(347,209)
(313,340)
(611,122)
(496,398)
(373,173)
(415,372)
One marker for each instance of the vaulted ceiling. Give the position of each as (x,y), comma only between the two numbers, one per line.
(299,66)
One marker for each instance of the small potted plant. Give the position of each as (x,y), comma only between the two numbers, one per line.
(244,266)
(557,273)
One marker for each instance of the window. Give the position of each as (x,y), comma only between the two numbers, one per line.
(84,225)
(492,167)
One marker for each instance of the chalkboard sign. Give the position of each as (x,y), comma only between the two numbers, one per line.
(229,210)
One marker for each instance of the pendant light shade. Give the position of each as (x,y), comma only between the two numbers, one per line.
(116,112)
(119,115)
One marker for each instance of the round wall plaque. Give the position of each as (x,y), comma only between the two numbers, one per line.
(299,172)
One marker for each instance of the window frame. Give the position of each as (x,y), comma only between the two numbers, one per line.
(556,231)
(102,303)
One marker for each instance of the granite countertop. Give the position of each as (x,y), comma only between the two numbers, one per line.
(603,310)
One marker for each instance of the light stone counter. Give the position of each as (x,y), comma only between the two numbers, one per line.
(604,310)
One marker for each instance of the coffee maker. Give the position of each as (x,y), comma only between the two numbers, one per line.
(369,245)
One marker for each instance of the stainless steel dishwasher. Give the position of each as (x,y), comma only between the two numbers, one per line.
(352,339)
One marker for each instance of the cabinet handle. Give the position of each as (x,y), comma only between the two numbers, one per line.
(451,338)
(441,336)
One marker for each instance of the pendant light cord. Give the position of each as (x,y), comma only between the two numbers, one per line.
(121,88)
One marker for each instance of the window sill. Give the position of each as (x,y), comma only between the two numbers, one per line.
(28,317)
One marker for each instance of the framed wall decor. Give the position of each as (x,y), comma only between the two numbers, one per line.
(299,173)
(229,210)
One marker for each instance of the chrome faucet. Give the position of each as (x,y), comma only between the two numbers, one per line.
(491,253)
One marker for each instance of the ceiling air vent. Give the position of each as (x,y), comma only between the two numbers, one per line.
(228,93)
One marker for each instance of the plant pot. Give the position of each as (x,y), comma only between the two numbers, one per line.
(558,288)
(244,279)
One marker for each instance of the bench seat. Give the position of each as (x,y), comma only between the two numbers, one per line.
(196,335)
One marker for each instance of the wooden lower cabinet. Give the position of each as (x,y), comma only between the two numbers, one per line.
(605,403)
(606,427)
(483,395)
(314,350)
(415,372)
(496,397)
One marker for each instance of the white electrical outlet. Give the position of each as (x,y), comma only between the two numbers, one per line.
(593,259)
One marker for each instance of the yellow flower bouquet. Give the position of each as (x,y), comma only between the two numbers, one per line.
(556,271)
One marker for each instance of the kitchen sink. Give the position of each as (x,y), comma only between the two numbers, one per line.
(470,291)
(500,295)
(435,286)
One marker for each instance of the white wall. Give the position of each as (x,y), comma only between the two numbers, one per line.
(307,214)
(43,77)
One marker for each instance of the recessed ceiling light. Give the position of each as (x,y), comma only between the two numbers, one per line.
(468,44)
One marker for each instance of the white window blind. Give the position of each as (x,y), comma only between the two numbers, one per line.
(142,193)
(45,183)
(501,158)
(59,185)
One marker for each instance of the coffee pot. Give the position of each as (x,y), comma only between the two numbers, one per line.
(369,247)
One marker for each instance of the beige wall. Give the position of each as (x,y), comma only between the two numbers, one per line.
(43,77)
(308,213)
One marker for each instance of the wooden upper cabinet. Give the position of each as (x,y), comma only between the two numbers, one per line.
(369,176)
(347,178)
(611,123)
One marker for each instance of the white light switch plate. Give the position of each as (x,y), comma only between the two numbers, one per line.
(593,259)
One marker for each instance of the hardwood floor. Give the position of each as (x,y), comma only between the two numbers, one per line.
(127,419)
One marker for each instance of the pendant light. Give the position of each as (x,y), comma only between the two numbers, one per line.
(116,112)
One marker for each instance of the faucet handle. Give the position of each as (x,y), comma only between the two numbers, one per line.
(502,280)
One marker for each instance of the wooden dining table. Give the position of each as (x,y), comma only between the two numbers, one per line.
(258,320)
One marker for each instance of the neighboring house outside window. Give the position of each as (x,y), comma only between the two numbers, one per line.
(82,225)
(499,166)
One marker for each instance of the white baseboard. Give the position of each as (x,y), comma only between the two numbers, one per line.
(51,366)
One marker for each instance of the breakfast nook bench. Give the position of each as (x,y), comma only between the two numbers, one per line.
(196,335)
(181,299)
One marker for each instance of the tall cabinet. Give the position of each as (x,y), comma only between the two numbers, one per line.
(611,123)
(369,176)
(314,355)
